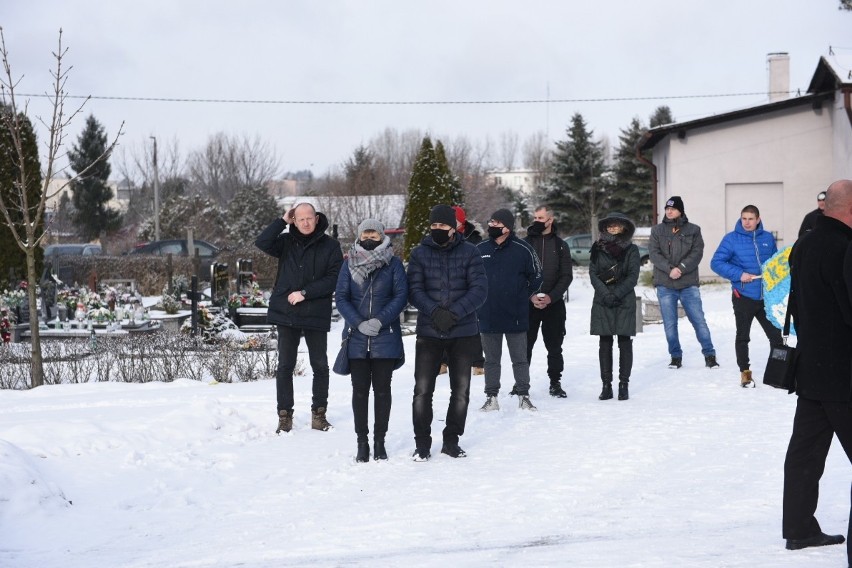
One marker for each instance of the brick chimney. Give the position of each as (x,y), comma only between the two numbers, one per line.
(778,65)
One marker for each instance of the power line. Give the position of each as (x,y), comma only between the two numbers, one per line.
(403,103)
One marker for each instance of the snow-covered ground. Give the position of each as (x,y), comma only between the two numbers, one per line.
(688,472)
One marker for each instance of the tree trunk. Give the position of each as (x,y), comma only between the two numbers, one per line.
(36,363)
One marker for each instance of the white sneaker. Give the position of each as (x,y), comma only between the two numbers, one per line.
(524,403)
(490,404)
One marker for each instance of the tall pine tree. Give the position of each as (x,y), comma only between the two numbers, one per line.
(633,179)
(579,188)
(91,192)
(426,188)
(448,178)
(13,260)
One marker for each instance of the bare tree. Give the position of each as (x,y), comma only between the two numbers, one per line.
(508,149)
(228,164)
(537,157)
(24,219)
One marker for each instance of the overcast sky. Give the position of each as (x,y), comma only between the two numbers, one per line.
(392,50)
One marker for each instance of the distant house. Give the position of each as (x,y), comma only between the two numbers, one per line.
(523,180)
(776,156)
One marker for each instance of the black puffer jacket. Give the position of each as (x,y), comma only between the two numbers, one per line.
(614,275)
(308,263)
(451,277)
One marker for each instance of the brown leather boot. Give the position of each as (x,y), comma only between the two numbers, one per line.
(285,421)
(745,379)
(318,421)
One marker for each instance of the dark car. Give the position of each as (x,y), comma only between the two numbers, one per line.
(69,249)
(178,247)
(581,249)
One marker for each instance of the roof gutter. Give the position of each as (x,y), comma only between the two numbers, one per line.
(650,164)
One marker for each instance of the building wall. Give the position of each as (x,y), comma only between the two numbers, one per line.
(842,128)
(778,162)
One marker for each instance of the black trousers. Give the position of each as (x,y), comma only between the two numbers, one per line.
(288,346)
(376,373)
(461,353)
(814,427)
(552,322)
(745,311)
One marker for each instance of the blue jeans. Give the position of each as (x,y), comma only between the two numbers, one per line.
(690,299)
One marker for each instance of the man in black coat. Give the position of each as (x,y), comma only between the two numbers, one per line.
(822,312)
(308,264)
(446,283)
(547,308)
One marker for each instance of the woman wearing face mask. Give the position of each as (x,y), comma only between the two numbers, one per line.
(372,290)
(614,272)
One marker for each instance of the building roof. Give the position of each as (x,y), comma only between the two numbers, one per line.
(831,74)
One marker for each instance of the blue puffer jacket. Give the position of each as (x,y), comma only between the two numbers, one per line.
(741,252)
(451,277)
(514,275)
(382,295)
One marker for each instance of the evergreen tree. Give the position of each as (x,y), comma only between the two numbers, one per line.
(662,115)
(91,191)
(13,260)
(633,178)
(448,178)
(578,190)
(249,214)
(425,190)
(360,172)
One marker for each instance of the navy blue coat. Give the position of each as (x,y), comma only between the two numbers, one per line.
(514,275)
(311,265)
(451,277)
(382,295)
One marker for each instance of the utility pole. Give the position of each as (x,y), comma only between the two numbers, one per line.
(156,194)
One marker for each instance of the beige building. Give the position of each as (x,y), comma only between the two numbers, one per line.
(776,156)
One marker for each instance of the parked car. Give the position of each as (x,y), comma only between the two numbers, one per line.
(69,249)
(178,247)
(581,249)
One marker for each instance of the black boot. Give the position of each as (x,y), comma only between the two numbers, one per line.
(556,389)
(625,365)
(605,359)
(379,452)
(363,450)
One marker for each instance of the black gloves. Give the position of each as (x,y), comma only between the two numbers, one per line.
(610,300)
(443,319)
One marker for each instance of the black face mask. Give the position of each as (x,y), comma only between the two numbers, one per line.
(536,228)
(495,232)
(369,244)
(440,236)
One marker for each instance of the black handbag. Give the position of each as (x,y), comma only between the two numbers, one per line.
(341,362)
(781,366)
